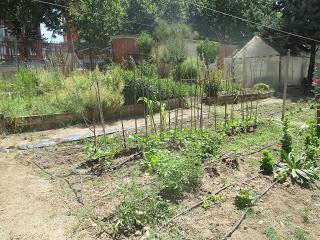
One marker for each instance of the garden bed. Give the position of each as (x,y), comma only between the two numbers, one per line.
(51,121)
(235,98)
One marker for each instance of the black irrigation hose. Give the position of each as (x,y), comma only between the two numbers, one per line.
(201,202)
(53,176)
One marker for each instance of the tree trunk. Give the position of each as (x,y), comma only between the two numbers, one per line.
(312,63)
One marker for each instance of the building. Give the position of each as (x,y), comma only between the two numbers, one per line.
(258,62)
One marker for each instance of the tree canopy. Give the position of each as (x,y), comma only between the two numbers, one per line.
(301,17)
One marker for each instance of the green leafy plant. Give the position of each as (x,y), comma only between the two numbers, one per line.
(286,141)
(137,85)
(145,43)
(103,150)
(187,70)
(141,209)
(208,202)
(267,162)
(244,198)
(297,169)
(176,172)
(261,87)
(208,51)
(312,144)
(214,85)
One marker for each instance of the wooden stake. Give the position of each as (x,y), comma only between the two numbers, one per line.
(285,86)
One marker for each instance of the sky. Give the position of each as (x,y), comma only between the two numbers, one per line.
(48,35)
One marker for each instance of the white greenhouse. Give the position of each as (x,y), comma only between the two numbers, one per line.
(258,62)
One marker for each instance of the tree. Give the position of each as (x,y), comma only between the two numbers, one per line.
(96,21)
(301,17)
(172,10)
(225,28)
(140,15)
(145,43)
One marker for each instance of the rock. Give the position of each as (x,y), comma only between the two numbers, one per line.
(146,228)
(287,184)
(260,222)
(138,233)
(3,149)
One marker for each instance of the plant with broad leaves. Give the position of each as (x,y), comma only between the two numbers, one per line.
(103,150)
(298,170)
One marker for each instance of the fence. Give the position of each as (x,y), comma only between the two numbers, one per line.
(13,50)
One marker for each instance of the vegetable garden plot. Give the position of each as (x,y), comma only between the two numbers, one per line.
(127,202)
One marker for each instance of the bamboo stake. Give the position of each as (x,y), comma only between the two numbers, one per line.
(135,100)
(123,133)
(201,106)
(144,105)
(169,109)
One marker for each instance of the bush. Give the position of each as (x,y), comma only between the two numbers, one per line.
(152,87)
(145,43)
(140,210)
(267,162)
(214,85)
(208,51)
(175,172)
(187,70)
(103,150)
(261,87)
(174,52)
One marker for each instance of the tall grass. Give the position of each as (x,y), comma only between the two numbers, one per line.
(31,92)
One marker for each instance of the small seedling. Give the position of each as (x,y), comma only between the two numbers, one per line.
(267,162)
(300,234)
(244,198)
(208,202)
(305,215)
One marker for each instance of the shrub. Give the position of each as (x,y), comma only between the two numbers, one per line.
(152,87)
(312,144)
(244,198)
(187,70)
(267,162)
(261,87)
(140,210)
(174,52)
(214,85)
(208,51)
(175,172)
(286,141)
(145,43)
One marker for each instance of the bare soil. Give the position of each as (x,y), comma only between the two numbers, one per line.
(30,206)
(60,202)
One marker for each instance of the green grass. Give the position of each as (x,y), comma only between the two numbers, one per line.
(266,133)
(272,234)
